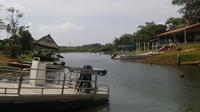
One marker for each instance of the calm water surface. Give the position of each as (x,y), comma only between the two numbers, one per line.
(143,88)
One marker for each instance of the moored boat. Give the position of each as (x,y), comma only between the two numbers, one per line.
(72,87)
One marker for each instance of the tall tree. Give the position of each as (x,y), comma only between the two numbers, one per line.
(1,21)
(25,39)
(148,31)
(190,10)
(1,24)
(12,27)
(125,39)
(13,20)
(173,23)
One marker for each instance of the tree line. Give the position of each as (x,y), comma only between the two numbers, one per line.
(190,14)
(190,11)
(19,38)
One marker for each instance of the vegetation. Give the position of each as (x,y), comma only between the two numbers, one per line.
(190,10)
(174,23)
(189,53)
(107,48)
(20,39)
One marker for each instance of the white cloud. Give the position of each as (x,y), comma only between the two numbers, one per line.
(65,27)
(58,31)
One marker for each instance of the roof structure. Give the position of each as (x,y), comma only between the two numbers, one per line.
(47,41)
(126,46)
(188,29)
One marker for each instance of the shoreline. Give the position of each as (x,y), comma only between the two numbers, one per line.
(168,62)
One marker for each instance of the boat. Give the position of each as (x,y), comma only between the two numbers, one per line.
(71,89)
(18,64)
(129,56)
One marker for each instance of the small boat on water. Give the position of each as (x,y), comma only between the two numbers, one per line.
(18,64)
(129,56)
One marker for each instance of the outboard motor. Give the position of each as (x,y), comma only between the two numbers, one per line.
(84,82)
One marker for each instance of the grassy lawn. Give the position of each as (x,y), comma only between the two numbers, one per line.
(190,52)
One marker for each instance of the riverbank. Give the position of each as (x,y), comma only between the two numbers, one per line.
(189,55)
(4,58)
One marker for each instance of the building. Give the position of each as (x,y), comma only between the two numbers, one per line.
(181,35)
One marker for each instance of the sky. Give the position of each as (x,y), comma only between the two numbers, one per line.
(78,22)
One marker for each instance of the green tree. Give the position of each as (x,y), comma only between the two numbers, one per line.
(148,31)
(190,10)
(125,39)
(25,39)
(143,34)
(12,28)
(173,23)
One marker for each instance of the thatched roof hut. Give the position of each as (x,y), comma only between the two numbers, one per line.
(46,48)
(47,42)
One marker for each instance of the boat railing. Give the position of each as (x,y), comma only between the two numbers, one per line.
(20,84)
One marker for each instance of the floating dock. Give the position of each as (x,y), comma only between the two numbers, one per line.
(65,92)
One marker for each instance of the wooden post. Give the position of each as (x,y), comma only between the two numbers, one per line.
(185,36)
(144,46)
(148,46)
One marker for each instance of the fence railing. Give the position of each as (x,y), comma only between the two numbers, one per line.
(64,85)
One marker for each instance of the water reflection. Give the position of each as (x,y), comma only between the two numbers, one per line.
(145,88)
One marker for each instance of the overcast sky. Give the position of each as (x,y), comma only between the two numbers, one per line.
(78,22)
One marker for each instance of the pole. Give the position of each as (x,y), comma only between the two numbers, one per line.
(63,86)
(144,46)
(174,37)
(185,36)
(95,90)
(20,84)
(136,47)
(139,47)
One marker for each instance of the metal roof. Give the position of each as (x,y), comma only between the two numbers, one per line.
(191,28)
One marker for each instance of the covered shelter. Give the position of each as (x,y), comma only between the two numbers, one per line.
(46,48)
(47,42)
(180,33)
(126,47)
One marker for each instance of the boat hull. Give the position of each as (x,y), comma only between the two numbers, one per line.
(51,103)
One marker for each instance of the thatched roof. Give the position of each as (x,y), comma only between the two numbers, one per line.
(47,41)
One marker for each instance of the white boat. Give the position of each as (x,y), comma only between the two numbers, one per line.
(130,56)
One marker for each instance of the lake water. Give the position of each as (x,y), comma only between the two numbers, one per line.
(143,88)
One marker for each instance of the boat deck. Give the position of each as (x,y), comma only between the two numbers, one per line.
(29,93)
